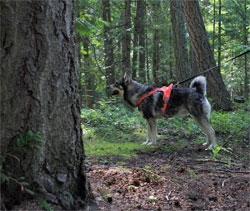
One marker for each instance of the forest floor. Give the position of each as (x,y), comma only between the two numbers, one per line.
(171,178)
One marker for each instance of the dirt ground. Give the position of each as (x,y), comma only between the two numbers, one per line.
(183,179)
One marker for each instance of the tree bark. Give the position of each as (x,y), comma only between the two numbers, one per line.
(246,87)
(204,55)
(39,92)
(108,43)
(156,37)
(219,35)
(141,11)
(214,22)
(126,43)
(135,46)
(180,42)
(193,63)
(89,78)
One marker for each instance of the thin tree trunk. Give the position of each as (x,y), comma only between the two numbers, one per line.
(214,22)
(89,98)
(156,38)
(204,55)
(126,44)
(108,43)
(219,35)
(135,47)
(180,43)
(39,93)
(141,11)
(147,60)
(171,55)
(246,88)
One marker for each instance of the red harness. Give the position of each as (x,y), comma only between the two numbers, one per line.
(166,94)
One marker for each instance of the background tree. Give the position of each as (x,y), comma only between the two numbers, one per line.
(41,137)
(204,56)
(141,12)
(180,43)
(135,45)
(126,42)
(156,41)
(89,82)
(108,43)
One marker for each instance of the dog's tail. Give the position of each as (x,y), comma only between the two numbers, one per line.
(200,84)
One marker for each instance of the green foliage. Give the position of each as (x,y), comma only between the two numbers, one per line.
(29,140)
(171,148)
(24,143)
(111,119)
(100,148)
(233,123)
(44,205)
(216,152)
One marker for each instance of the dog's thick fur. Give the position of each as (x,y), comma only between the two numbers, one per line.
(182,101)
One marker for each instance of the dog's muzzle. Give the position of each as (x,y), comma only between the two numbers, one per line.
(113,90)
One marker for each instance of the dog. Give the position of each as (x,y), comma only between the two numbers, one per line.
(182,101)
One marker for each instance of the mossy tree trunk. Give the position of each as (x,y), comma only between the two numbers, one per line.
(39,93)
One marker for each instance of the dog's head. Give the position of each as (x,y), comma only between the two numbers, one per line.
(118,87)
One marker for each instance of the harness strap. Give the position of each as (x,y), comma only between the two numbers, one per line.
(166,95)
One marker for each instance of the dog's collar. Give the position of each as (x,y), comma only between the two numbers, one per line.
(166,94)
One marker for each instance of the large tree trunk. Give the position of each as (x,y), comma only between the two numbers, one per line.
(204,55)
(39,92)
(180,42)
(126,42)
(108,43)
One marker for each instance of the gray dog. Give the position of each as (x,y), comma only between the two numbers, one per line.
(182,101)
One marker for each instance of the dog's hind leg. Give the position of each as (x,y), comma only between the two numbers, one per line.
(207,128)
(152,132)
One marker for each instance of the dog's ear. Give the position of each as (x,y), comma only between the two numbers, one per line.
(126,78)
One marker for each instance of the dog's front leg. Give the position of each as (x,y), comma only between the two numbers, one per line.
(152,132)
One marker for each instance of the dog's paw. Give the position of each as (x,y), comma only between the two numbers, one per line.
(145,142)
(211,146)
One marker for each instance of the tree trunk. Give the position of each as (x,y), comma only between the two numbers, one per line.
(171,72)
(219,36)
(135,46)
(147,59)
(193,62)
(156,37)
(141,11)
(39,93)
(180,42)
(204,55)
(108,43)
(126,42)
(89,78)
(246,88)
(214,22)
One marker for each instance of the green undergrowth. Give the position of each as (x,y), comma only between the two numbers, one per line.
(126,149)
(110,129)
